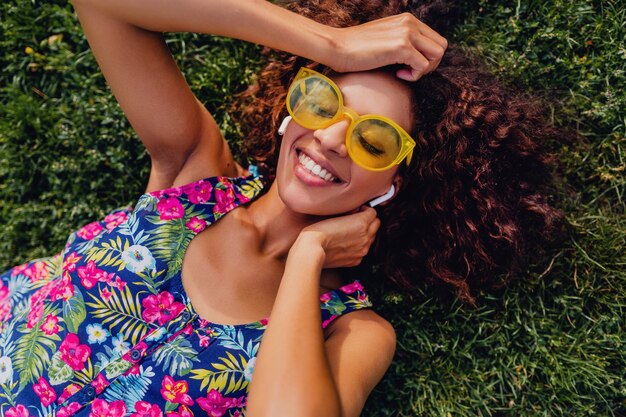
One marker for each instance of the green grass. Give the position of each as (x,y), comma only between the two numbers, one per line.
(552,344)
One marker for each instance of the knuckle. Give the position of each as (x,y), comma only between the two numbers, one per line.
(440,51)
(407,18)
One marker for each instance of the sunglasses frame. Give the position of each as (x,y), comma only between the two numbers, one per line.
(407,145)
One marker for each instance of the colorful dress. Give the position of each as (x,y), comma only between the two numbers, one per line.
(105,327)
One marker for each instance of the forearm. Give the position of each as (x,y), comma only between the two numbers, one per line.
(292,375)
(255,21)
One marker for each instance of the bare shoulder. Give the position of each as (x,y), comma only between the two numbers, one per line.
(360,349)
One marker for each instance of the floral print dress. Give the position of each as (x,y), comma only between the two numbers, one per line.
(105,328)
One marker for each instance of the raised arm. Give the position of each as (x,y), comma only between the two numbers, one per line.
(177,130)
(126,40)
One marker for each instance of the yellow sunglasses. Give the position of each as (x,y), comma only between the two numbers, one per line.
(373,142)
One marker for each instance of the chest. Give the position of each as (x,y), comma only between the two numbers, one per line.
(229,280)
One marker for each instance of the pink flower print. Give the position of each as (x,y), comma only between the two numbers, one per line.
(265,321)
(175,391)
(170,208)
(225,200)
(89,231)
(204,340)
(106,294)
(327,322)
(133,370)
(19,270)
(34,315)
(68,411)
(196,224)
(101,408)
(160,307)
(169,192)
(145,409)
(67,393)
(114,219)
(326,297)
(90,274)
(350,288)
(17,411)
(44,391)
(69,263)
(5,303)
(215,404)
(198,192)
(183,411)
(242,198)
(63,289)
(37,271)
(119,283)
(100,383)
(73,353)
(50,326)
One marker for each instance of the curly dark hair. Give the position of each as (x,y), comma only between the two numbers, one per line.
(473,207)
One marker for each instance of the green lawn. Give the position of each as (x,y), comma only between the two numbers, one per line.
(553,344)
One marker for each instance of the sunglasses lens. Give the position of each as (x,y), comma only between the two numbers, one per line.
(375,143)
(313,102)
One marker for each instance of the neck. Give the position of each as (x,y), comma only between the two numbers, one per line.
(277,226)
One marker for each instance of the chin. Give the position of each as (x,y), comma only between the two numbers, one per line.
(302,202)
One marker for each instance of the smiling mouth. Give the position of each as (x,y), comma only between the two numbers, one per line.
(312,167)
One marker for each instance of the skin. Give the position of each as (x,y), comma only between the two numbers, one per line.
(286,244)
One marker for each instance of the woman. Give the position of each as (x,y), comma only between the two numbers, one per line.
(110,326)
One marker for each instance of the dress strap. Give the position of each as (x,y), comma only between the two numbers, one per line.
(202,201)
(343,300)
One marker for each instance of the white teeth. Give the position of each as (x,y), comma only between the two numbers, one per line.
(314,168)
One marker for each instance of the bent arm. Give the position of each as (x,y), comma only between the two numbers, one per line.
(255,21)
(292,375)
(177,130)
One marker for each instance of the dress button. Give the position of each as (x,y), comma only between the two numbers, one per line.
(135,354)
(90,392)
(185,316)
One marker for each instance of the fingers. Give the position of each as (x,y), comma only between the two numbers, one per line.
(423,49)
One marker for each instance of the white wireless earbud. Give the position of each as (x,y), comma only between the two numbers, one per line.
(283,125)
(383,197)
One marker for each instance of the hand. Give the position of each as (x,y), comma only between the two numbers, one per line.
(345,240)
(398,39)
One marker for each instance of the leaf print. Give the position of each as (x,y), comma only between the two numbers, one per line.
(130,388)
(121,311)
(233,339)
(176,357)
(109,253)
(74,312)
(170,239)
(249,190)
(335,306)
(231,372)
(59,372)
(19,285)
(33,353)
(117,368)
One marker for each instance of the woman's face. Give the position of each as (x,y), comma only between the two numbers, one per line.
(369,92)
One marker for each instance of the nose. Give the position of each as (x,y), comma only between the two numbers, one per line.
(333,137)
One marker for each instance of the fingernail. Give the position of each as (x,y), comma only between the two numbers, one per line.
(404,74)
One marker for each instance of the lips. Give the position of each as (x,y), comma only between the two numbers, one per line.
(305,158)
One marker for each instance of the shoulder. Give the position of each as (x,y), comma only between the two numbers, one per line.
(364,320)
(360,350)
